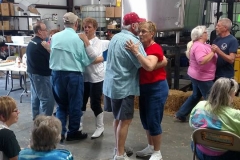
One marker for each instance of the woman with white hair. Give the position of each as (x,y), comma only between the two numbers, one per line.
(201,70)
(217,113)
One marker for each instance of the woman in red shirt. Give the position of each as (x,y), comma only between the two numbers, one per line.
(153,90)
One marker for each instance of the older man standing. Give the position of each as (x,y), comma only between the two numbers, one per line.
(42,100)
(68,59)
(121,82)
(225,45)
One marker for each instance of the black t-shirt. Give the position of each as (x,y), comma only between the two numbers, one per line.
(37,58)
(8,143)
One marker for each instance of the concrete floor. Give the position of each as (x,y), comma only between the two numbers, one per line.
(175,137)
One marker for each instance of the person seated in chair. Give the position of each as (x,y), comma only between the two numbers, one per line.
(9,147)
(46,134)
(217,113)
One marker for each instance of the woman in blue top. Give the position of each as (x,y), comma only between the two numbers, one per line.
(46,134)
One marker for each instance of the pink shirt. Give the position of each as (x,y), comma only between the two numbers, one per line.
(201,72)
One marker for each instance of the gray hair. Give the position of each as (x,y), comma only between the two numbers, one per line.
(226,22)
(69,25)
(197,32)
(189,46)
(37,27)
(46,133)
(220,93)
(126,27)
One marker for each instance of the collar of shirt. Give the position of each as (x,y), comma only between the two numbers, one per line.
(70,29)
(3,125)
(128,32)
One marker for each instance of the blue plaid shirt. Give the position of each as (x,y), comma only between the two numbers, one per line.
(122,76)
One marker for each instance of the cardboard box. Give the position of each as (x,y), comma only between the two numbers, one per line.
(109,12)
(6,25)
(5,9)
(33,10)
(118,12)
(111,26)
(11,9)
(8,39)
(27,8)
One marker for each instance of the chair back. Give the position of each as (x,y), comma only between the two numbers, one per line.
(215,139)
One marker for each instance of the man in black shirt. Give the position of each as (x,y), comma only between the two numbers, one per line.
(42,100)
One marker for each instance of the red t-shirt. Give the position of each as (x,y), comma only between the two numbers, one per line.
(155,75)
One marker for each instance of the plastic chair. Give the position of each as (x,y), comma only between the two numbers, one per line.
(215,139)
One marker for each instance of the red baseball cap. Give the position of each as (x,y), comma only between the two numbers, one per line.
(132,17)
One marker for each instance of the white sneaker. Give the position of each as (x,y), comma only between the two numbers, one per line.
(156,156)
(127,150)
(145,152)
(123,157)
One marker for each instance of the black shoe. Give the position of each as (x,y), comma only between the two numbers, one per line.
(76,136)
(62,139)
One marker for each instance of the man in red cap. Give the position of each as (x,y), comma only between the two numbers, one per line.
(121,82)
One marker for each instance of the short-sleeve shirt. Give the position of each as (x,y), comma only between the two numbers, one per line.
(147,77)
(56,154)
(228,44)
(198,71)
(37,58)
(8,143)
(122,76)
(68,52)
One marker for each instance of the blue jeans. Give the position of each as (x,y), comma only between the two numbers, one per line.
(68,93)
(200,89)
(94,91)
(229,155)
(42,100)
(151,105)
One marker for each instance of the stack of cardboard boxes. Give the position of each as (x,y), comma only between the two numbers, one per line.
(6,9)
(113,12)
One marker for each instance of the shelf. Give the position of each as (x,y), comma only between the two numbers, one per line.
(17,31)
(21,16)
(50,6)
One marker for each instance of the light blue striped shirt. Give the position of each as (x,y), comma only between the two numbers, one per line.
(121,76)
(68,52)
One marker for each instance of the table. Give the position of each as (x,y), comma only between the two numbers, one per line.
(13,68)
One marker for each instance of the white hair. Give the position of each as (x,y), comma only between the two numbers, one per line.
(226,22)
(126,27)
(189,46)
(197,32)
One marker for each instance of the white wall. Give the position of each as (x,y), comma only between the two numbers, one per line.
(50,2)
(87,2)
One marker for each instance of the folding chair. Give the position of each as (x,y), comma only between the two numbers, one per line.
(215,139)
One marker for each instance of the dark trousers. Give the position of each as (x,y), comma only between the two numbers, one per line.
(94,91)
(68,93)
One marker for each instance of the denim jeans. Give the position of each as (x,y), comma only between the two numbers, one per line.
(42,100)
(94,91)
(68,93)
(229,155)
(151,105)
(200,89)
